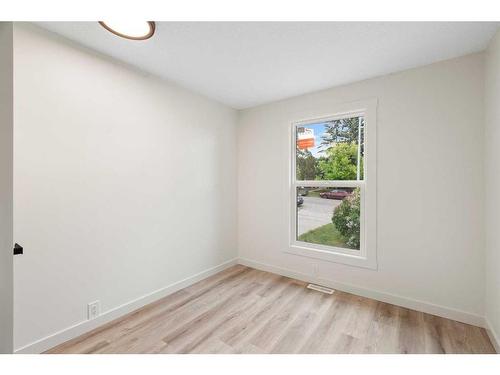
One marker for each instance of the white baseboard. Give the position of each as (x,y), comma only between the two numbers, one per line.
(78,329)
(493,335)
(409,303)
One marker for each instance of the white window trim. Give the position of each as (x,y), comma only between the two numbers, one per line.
(367,255)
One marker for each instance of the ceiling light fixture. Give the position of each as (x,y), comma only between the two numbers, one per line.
(134,30)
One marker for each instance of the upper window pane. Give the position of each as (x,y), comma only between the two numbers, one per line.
(330,150)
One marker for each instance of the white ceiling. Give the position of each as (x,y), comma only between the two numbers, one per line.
(247,64)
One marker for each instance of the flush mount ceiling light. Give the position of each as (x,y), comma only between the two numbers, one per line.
(135,30)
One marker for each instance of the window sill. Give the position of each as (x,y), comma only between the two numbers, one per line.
(350,259)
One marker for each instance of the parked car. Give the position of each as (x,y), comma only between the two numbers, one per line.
(335,194)
(300,200)
(303,191)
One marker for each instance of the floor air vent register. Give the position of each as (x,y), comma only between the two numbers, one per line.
(320,288)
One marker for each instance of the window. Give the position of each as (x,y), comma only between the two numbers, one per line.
(332,189)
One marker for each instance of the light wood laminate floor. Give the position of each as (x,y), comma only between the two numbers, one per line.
(243,310)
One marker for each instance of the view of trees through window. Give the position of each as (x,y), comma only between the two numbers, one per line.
(330,151)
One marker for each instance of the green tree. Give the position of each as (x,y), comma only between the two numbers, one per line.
(341,131)
(346,219)
(307,165)
(340,162)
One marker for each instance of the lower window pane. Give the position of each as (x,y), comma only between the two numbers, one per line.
(329,216)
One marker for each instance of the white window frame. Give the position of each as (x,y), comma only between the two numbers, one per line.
(366,255)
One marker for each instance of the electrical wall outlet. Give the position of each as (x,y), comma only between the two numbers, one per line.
(93,310)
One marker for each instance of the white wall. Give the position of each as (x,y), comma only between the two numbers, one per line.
(6,122)
(492,185)
(429,193)
(123,183)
